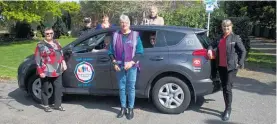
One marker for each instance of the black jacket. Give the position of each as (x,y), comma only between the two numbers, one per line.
(235,51)
(84,30)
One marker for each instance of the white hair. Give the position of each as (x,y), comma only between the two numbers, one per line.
(226,22)
(124,18)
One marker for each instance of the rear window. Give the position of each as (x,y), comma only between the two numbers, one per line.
(173,38)
(205,41)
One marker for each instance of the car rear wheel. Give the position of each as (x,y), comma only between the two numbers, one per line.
(171,95)
(34,89)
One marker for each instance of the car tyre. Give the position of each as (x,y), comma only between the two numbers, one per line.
(171,95)
(34,88)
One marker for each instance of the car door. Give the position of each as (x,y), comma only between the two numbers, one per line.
(154,59)
(88,69)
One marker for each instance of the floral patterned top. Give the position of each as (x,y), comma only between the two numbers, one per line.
(49,58)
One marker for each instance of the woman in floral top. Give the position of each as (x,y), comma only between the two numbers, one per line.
(50,66)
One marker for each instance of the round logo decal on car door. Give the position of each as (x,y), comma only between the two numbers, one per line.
(84,72)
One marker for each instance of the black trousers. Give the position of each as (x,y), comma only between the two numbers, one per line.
(227,78)
(57,82)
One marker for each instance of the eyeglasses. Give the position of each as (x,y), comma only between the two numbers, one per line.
(49,33)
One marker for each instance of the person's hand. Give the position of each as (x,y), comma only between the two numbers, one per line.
(64,66)
(129,65)
(210,54)
(42,75)
(116,68)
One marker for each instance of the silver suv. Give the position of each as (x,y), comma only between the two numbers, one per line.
(174,68)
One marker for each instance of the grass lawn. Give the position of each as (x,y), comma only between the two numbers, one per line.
(259,59)
(13,54)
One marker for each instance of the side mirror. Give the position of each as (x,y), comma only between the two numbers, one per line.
(67,54)
(68,51)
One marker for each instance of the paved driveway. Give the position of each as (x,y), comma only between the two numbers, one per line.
(254,103)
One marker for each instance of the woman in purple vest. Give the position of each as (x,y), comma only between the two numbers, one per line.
(125,50)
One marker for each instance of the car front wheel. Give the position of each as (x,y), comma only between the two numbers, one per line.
(171,95)
(34,89)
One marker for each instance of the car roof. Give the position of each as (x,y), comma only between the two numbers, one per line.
(182,29)
(170,28)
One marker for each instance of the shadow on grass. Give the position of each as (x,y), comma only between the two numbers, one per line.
(260,60)
(256,68)
(271,50)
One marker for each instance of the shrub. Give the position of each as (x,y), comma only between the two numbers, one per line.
(189,16)
(39,35)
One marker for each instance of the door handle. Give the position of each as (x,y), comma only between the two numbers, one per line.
(157,58)
(104,59)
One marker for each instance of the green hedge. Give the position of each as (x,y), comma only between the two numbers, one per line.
(189,16)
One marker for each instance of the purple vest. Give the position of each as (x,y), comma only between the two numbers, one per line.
(129,47)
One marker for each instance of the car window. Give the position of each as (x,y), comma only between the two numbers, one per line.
(94,40)
(152,39)
(205,41)
(160,39)
(95,43)
(173,38)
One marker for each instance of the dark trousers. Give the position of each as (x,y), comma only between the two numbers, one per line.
(57,82)
(227,78)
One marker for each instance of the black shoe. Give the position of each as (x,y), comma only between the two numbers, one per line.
(130,114)
(47,109)
(226,115)
(121,113)
(59,108)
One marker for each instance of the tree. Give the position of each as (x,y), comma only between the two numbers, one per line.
(190,14)
(44,13)
(114,9)
(263,12)
(29,11)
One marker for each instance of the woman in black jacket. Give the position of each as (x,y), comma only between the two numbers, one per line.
(230,56)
